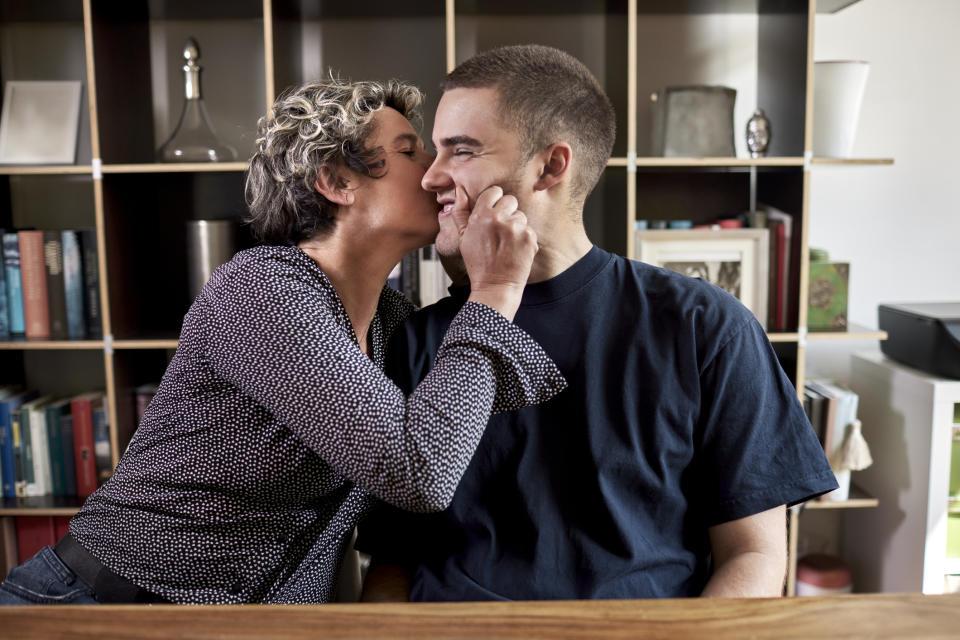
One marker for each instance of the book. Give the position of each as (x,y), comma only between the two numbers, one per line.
(102,450)
(434,281)
(69,464)
(73,285)
(56,293)
(33,534)
(81,408)
(55,450)
(815,403)
(780,225)
(33,275)
(36,458)
(845,404)
(144,395)
(8,407)
(410,277)
(19,456)
(91,283)
(4,312)
(11,267)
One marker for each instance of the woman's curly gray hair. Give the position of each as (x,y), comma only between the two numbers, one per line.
(321,123)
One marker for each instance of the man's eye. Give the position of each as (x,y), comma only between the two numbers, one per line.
(462,152)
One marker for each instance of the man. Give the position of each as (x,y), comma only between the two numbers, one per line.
(665,467)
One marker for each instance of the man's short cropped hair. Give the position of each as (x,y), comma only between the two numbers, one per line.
(546,96)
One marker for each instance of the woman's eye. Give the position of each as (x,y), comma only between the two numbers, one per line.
(411,152)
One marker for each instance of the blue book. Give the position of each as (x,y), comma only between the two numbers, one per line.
(4,313)
(9,407)
(91,283)
(11,267)
(73,285)
(69,464)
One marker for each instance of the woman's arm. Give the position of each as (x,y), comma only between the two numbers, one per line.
(274,330)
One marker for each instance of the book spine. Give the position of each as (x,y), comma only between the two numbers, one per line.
(56,291)
(34,280)
(42,477)
(73,285)
(84,461)
(91,283)
(26,456)
(101,445)
(410,277)
(33,534)
(7,463)
(4,305)
(66,455)
(55,450)
(11,265)
(19,464)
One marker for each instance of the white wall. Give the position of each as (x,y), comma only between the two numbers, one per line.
(898,226)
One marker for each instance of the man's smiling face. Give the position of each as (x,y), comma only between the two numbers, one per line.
(474,151)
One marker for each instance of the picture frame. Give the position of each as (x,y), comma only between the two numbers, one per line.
(40,122)
(736,260)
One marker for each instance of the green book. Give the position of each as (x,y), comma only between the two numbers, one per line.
(55,450)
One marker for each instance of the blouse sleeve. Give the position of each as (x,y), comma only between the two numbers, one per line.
(272,334)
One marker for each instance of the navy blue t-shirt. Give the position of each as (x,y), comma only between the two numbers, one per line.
(677,417)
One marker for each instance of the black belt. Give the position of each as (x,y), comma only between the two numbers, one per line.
(106,585)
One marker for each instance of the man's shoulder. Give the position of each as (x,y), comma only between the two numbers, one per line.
(681,301)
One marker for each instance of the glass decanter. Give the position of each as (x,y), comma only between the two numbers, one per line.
(194,139)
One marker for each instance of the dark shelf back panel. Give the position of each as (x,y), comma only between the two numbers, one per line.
(145,218)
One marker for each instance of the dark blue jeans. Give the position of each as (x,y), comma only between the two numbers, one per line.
(44,579)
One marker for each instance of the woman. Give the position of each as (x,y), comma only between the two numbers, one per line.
(274,427)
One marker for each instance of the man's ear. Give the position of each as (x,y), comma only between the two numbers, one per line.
(333,187)
(555,165)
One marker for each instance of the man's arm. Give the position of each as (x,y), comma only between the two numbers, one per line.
(749,556)
(386,583)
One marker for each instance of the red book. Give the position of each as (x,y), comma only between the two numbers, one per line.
(33,534)
(81,408)
(33,276)
(61,524)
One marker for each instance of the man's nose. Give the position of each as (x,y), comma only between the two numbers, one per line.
(435,179)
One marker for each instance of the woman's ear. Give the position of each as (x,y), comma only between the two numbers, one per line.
(556,165)
(333,187)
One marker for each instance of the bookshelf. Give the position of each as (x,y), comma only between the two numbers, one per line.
(126,56)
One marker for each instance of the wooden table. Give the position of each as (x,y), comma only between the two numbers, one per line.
(875,616)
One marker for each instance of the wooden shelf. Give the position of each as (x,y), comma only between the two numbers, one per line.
(853,332)
(146,344)
(783,337)
(51,345)
(859,499)
(853,161)
(786,161)
(40,506)
(47,170)
(186,167)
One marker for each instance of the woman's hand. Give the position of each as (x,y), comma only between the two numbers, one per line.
(497,248)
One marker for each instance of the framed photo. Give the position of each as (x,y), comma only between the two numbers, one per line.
(39,122)
(736,260)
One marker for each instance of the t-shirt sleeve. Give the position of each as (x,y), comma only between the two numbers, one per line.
(273,335)
(756,449)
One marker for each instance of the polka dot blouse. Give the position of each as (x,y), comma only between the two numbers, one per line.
(272,432)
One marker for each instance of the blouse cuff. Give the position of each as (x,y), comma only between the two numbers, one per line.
(524,373)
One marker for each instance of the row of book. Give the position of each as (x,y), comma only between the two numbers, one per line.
(53,446)
(50,285)
(33,533)
(420,277)
(831,408)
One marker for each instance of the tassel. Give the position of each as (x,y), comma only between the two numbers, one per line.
(853,453)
